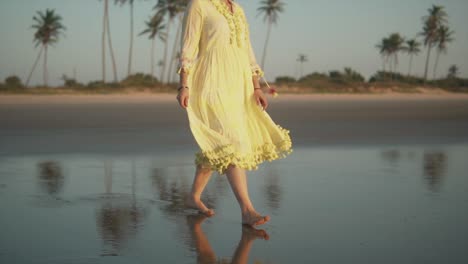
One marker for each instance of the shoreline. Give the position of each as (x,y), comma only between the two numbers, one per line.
(171,97)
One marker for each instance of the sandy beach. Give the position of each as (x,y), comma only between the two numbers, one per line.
(144,122)
(168,97)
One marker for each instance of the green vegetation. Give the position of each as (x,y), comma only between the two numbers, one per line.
(13,82)
(350,81)
(334,81)
(138,82)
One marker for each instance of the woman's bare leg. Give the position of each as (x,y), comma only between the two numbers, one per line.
(238,180)
(202,176)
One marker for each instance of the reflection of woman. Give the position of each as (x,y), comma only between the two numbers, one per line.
(205,253)
(226,114)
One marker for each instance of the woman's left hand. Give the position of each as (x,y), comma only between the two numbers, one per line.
(260,98)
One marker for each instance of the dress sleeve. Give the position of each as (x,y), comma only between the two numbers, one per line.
(256,69)
(191,32)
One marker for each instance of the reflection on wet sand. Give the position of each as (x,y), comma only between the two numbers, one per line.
(118,217)
(51,181)
(199,243)
(171,188)
(434,169)
(51,178)
(129,208)
(272,188)
(434,165)
(392,156)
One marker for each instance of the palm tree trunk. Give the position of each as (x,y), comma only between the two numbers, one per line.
(131,41)
(410,64)
(383,63)
(389,63)
(266,43)
(166,42)
(45,66)
(383,67)
(152,57)
(174,50)
(427,61)
(103,41)
(390,66)
(396,62)
(34,66)
(435,65)
(114,66)
(302,69)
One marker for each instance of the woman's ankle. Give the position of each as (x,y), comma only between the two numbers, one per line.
(247,209)
(194,197)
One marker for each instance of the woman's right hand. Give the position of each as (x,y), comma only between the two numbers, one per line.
(183,97)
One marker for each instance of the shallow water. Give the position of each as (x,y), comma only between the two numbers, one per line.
(358,204)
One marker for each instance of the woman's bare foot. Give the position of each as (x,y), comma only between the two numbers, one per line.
(197,204)
(252,218)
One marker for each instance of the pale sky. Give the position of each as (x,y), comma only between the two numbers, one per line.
(332,33)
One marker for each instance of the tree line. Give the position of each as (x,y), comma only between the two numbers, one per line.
(49,26)
(435,33)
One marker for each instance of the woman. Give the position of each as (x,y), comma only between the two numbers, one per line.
(226,109)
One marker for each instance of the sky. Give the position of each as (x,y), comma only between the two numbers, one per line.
(332,33)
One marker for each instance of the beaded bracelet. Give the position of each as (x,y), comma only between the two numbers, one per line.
(180,87)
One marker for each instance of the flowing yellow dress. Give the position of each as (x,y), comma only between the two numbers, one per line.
(225,120)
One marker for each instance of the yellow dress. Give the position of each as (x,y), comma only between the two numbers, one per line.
(225,120)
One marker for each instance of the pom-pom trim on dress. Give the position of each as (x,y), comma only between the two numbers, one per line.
(220,158)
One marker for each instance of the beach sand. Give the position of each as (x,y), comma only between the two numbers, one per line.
(168,97)
(142,122)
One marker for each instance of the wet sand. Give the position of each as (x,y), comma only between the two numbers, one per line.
(101,179)
(148,123)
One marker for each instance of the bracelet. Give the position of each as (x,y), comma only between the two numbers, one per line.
(180,87)
(257,88)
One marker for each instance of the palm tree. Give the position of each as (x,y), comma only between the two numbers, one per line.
(384,50)
(444,36)
(301,59)
(271,9)
(437,17)
(48,27)
(412,48)
(453,71)
(182,6)
(161,65)
(170,8)
(106,29)
(130,52)
(396,45)
(154,27)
